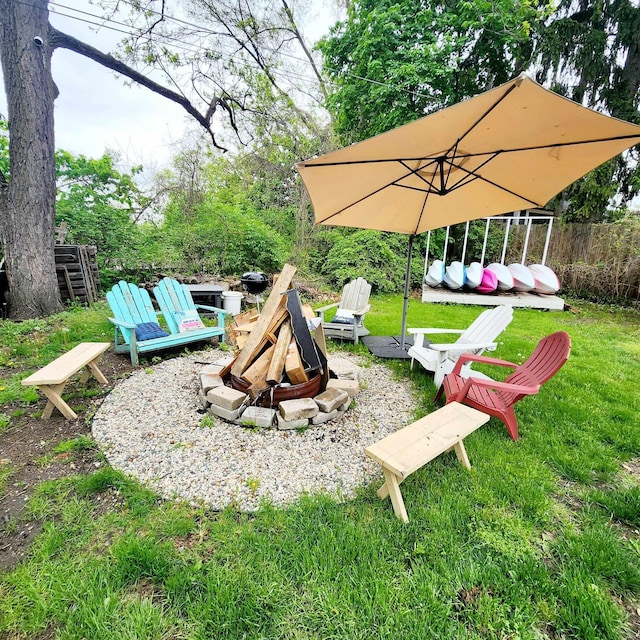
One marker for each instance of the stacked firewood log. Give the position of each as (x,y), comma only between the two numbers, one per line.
(279,345)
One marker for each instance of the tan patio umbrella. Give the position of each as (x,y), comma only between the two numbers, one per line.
(511,148)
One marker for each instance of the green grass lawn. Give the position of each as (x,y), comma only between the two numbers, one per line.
(538,540)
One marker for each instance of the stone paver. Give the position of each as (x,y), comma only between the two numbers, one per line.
(226,397)
(352,387)
(258,416)
(298,408)
(331,399)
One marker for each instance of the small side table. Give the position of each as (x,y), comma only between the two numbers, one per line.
(210,294)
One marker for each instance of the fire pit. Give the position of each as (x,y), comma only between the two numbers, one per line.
(275,395)
(286,406)
(280,375)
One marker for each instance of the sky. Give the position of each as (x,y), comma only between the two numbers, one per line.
(96,111)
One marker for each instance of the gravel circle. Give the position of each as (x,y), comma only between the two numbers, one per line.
(149,427)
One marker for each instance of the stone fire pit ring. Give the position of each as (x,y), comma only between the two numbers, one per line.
(287,406)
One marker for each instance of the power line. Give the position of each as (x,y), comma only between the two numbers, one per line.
(163,39)
(172,40)
(102,24)
(282,53)
(195,48)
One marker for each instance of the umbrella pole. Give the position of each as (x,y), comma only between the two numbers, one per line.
(405,304)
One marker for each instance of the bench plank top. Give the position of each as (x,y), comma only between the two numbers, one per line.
(408,449)
(60,369)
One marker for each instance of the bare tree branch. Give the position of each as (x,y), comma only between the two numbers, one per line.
(303,44)
(65,41)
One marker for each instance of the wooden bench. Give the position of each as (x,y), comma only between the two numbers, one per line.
(407,450)
(52,379)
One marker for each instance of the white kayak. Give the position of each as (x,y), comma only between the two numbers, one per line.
(435,274)
(505,279)
(546,281)
(522,277)
(473,275)
(454,275)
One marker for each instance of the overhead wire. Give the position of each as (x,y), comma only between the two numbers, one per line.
(166,40)
(173,41)
(229,50)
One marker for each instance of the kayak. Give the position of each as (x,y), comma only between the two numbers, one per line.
(473,275)
(454,275)
(522,277)
(546,281)
(489,282)
(435,274)
(505,279)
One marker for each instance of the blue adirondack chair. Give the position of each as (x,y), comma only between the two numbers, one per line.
(178,308)
(132,307)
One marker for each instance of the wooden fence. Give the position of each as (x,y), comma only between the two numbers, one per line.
(595,261)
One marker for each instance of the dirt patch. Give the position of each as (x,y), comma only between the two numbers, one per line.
(28,448)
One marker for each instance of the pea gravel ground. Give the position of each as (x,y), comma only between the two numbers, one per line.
(152,427)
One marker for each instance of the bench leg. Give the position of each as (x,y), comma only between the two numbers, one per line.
(461,453)
(393,487)
(383,491)
(97,374)
(54,394)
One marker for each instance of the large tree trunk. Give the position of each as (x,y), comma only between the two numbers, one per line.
(27,208)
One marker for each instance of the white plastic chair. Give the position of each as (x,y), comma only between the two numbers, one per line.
(478,337)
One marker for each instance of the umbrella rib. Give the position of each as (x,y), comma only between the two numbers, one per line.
(471,174)
(424,206)
(504,96)
(461,184)
(450,162)
(414,172)
(551,145)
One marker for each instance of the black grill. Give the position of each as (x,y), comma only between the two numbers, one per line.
(254,281)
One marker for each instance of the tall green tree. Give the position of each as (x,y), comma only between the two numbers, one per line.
(27,197)
(100,205)
(392,62)
(589,51)
(213,60)
(213,223)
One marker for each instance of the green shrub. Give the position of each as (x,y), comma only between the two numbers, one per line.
(379,257)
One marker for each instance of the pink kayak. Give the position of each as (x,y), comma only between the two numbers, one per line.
(505,279)
(489,282)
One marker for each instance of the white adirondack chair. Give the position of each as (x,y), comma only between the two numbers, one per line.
(348,323)
(479,336)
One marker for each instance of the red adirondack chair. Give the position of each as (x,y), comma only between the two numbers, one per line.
(498,398)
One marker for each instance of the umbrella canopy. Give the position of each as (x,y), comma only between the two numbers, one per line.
(511,148)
